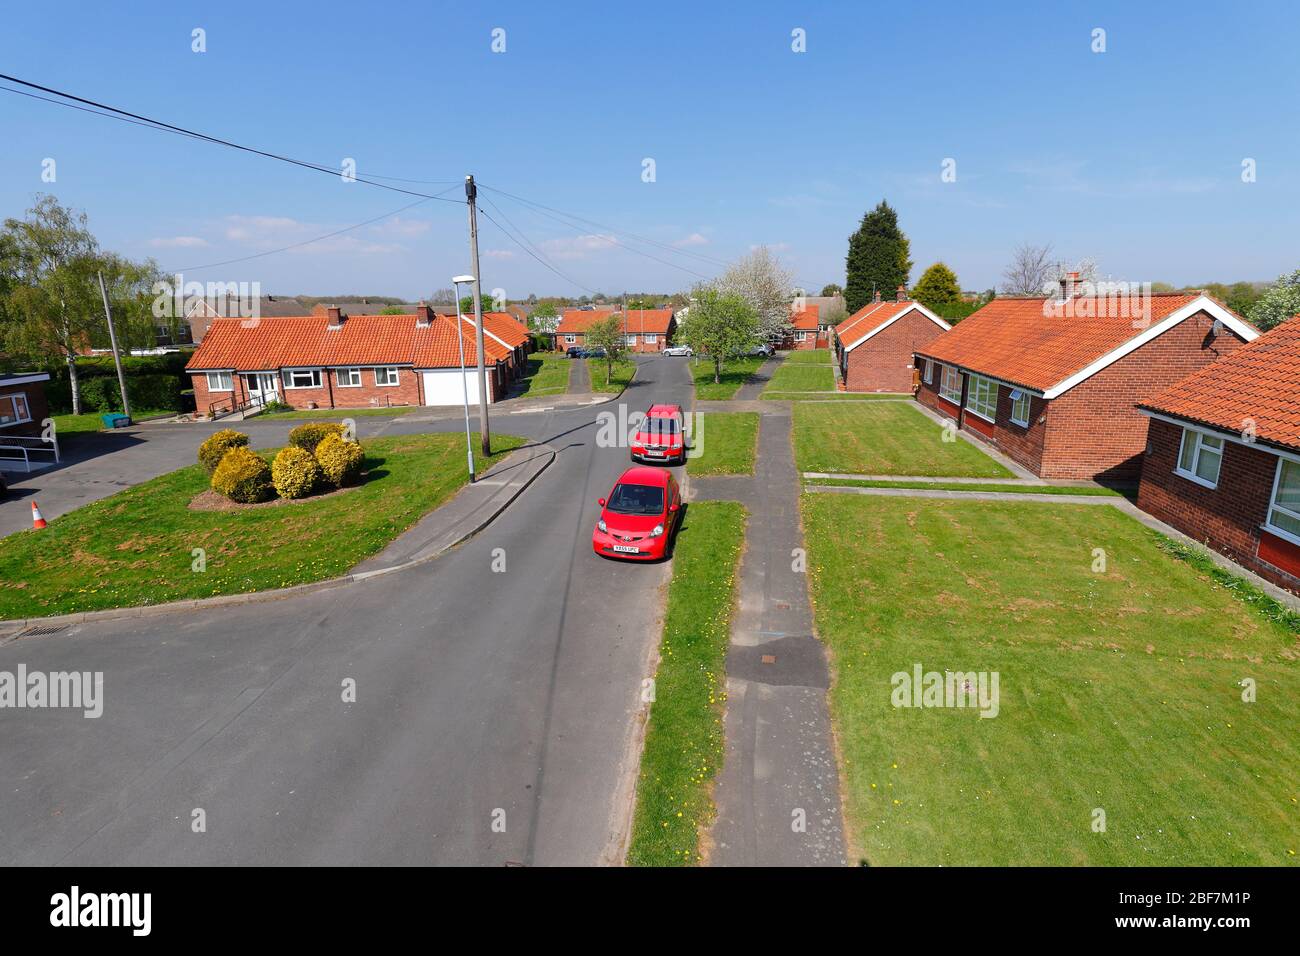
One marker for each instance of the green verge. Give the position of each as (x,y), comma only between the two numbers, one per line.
(65,426)
(136,547)
(1120,690)
(735,372)
(802,378)
(1085,491)
(546,374)
(684,739)
(809,357)
(729,443)
(883,439)
(624,369)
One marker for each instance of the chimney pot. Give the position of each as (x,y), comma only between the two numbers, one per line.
(423,315)
(336,317)
(902,293)
(877,296)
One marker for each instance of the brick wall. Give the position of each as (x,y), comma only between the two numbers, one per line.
(38,409)
(1094,429)
(883,363)
(1226,518)
(1020,444)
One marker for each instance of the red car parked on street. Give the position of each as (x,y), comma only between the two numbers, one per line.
(639,517)
(661,437)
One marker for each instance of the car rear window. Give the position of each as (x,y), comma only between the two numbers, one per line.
(636,500)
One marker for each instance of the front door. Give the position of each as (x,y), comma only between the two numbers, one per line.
(261,387)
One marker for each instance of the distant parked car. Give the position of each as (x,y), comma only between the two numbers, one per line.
(762,349)
(679,350)
(576,351)
(597,352)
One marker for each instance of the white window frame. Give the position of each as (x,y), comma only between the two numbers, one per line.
(352,373)
(1273,505)
(629,338)
(986,407)
(228,387)
(929,371)
(289,373)
(1200,438)
(951,393)
(570,338)
(1019,395)
(801,336)
(387,369)
(13,398)
(651,338)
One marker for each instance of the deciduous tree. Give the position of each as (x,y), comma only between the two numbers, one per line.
(719,325)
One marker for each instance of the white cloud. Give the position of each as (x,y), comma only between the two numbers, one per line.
(178,242)
(498,253)
(267,229)
(403,228)
(694,239)
(577,248)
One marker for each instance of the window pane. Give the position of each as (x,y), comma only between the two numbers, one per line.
(1280,519)
(1207,465)
(6,410)
(1188,452)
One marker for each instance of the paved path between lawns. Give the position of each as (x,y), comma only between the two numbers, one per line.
(780,763)
(754,385)
(579,377)
(1123,504)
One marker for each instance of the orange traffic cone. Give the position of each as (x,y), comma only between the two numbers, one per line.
(38,522)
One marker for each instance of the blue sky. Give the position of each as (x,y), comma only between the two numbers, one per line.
(1132,156)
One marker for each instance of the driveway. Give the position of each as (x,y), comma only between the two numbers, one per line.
(495,718)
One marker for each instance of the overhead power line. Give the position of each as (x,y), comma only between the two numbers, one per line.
(104,109)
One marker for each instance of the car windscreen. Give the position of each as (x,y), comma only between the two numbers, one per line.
(659,426)
(636,500)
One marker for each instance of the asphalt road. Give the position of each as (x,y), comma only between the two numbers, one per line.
(495,719)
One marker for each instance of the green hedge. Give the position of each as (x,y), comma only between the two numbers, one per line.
(152,381)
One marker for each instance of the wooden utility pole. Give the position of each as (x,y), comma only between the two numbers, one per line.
(485,433)
(112,340)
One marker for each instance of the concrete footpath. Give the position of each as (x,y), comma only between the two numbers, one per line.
(778,794)
(467,513)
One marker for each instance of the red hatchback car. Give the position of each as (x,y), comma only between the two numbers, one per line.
(661,437)
(639,517)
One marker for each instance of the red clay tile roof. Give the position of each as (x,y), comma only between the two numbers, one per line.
(501,324)
(869,318)
(807,320)
(248,345)
(1259,381)
(1011,339)
(654,321)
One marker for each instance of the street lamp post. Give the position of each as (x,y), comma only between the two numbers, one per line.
(464,386)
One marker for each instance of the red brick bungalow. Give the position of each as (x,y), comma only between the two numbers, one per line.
(1223,456)
(332,360)
(806,330)
(510,333)
(645,330)
(1054,383)
(874,346)
(23,405)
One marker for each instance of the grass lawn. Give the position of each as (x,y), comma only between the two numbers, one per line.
(1085,490)
(735,372)
(809,357)
(684,739)
(802,378)
(135,547)
(624,369)
(546,374)
(1120,690)
(729,444)
(66,426)
(890,438)
(337,414)
(835,396)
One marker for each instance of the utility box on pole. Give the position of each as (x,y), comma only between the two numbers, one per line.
(485,433)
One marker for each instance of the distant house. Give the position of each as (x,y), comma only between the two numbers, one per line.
(333,360)
(1054,383)
(506,330)
(806,331)
(1222,463)
(644,330)
(23,405)
(875,345)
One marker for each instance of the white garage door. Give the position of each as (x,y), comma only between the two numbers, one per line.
(443,387)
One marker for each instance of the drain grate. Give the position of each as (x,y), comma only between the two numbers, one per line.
(43,631)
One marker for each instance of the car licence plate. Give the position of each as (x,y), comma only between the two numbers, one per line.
(626,549)
(654,454)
